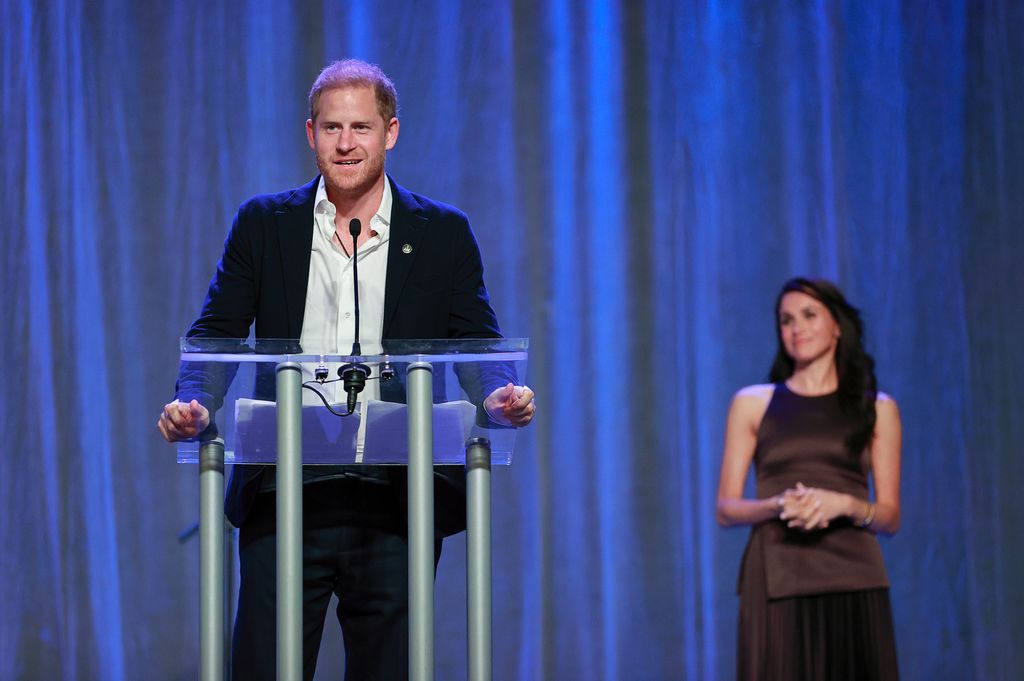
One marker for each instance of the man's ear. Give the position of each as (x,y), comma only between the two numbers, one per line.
(391,136)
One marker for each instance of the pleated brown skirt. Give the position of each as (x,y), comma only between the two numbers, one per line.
(827,637)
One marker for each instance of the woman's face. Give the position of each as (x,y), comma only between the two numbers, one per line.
(808,330)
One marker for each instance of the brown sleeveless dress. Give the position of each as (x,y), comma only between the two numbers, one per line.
(813,605)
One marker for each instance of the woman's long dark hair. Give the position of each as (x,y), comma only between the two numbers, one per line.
(858,387)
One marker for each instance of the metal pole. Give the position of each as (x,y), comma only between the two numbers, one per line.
(421,521)
(231,601)
(478,557)
(289,521)
(211,560)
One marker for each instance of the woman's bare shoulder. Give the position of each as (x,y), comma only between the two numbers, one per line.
(753,399)
(761,392)
(886,405)
(750,403)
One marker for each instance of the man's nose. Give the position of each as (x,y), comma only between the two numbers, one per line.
(345,139)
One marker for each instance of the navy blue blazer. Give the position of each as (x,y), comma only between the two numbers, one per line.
(436,290)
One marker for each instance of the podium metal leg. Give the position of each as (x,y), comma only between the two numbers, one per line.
(421,521)
(478,557)
(211,560)
(289,521)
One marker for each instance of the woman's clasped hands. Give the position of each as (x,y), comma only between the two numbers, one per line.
(811,508)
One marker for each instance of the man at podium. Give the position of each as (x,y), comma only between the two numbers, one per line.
(286,267)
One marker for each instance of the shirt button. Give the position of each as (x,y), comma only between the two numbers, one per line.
(348,315)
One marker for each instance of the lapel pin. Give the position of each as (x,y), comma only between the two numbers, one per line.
(407,248)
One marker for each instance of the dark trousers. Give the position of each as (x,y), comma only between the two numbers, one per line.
(353,547)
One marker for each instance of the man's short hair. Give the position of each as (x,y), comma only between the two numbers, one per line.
(355,73)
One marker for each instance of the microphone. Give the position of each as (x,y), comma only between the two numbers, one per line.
(354,375)
(354,228)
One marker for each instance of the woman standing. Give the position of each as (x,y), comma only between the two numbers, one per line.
(814,599)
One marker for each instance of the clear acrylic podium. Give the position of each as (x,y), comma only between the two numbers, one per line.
(421,406)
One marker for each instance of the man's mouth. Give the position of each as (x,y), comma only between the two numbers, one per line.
(347,163)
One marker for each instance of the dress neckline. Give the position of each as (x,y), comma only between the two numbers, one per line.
(805,396)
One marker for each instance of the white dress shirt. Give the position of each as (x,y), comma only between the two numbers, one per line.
(328,323)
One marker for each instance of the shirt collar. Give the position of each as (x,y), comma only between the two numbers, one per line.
(380,222)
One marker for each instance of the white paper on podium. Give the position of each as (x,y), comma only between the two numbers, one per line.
(387,432)
(330,439)
(326,438)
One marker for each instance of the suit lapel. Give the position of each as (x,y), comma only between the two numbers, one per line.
(408,226)
(295,239)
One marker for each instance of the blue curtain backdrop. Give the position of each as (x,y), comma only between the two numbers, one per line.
(641,176)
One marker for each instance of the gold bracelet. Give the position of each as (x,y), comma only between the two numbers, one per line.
(869,516)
